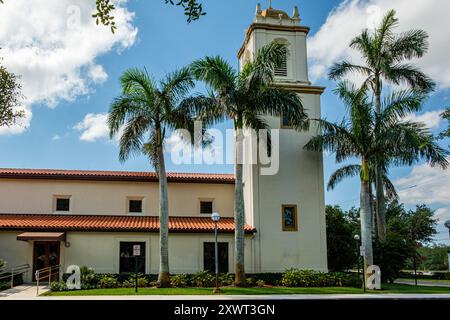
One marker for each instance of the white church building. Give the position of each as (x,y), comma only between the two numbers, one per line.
(95,218)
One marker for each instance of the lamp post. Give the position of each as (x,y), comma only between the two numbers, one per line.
(358,238)
(216,217)
(447,225)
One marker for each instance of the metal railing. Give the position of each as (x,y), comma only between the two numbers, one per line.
(45,273)
(14,271)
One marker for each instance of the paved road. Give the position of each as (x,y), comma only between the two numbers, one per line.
(424,283)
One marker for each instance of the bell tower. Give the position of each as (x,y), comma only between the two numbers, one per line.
(286,208)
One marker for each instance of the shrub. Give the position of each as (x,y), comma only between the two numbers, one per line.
(270,278)
(107,281)
(260,283)
(180,280)
(250,281)
(131,282)
(202,279)
(310,278)
(2,265)
(153,283)
(89,280)
(226,279)
(58,286)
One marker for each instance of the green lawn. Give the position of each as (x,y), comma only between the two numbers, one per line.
(425,280)
(387,288)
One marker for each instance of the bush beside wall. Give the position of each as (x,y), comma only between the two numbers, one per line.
(290,278)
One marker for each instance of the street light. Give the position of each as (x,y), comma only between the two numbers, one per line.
(215,217)
(358,248)
(447,225)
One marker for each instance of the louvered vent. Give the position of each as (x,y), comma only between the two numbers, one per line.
(281,70)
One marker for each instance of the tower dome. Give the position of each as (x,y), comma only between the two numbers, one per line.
(274,13)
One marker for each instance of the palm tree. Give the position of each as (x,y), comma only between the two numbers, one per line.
(385,55)
(245,97)
(146,111)
(358,135)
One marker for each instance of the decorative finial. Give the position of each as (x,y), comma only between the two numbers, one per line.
(296,13)
(258,9)
(270,4)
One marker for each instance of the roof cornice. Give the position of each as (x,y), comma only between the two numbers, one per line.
(272,27)
(126,176)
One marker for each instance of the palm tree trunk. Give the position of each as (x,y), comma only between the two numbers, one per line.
(164,275)
(239,214)
(365,218)
(372,209)
(380,203)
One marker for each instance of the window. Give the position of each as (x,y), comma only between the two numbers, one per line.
(289,217)
(281,69)
(135,206)
(127,263)
(285,123)
(62,204)
(209,257)
(206,207)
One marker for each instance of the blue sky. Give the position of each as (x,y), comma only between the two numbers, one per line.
(157,37)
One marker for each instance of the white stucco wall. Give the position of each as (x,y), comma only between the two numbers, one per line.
(100,250)
(299,180)
(110,198)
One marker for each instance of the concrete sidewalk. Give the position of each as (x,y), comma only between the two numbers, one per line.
(23,292)
(245,297)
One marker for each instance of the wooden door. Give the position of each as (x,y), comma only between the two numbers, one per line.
(46,254)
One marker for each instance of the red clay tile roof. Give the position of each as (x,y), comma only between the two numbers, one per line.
(54,222)
(114,176)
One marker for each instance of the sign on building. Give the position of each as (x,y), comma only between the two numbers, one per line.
(136,250)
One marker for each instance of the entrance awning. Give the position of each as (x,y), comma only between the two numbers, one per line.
(42,236)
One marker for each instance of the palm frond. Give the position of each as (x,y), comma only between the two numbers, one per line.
(216,73)
(389,188)
(384,33)
(411,75)
(139,82)
(409,45)
(207,109)
(279,102)
(340,69)
(176,85)
(399,104)
(408,142)
(341,173)
(131,140)
(123,108)
(150,150)
(334,138)
(261,72)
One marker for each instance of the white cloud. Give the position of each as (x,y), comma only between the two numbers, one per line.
(93,127)
(56,137)
(330,43)
(426,185)
(431,118)
(97,74)
(442,214)
(53,46)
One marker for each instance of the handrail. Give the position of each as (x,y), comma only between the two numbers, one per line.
(14,271)
(49,275)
